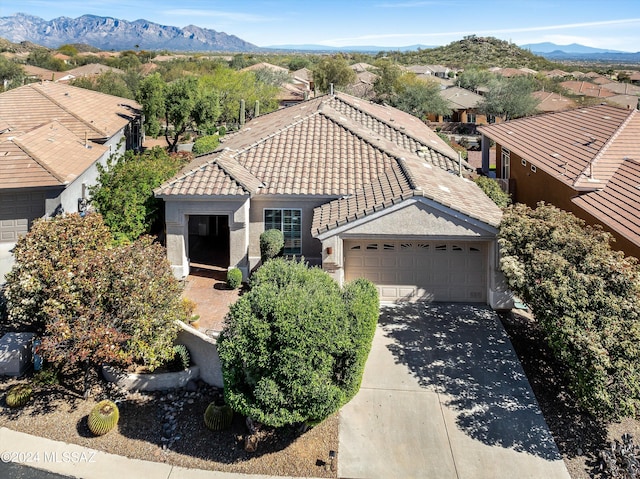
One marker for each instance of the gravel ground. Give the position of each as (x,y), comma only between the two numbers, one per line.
(169,427)
(578,435)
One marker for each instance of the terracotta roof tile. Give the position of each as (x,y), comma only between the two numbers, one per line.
(335,146)
(562,144)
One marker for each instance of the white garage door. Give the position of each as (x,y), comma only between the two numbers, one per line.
(17,212)
(420,270)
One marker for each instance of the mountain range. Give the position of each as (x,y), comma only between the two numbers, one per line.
(109,33)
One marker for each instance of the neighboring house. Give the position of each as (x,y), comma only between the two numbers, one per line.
(585,160)
(555,73)
(34,73)
(514,72)
(464,104)
(303,75)
(363,87)
(364,190)
(92,70)
(635,77)
(52,136)
(622,88)
(549,101)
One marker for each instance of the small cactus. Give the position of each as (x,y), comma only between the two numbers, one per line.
(18,395)
(103,417)
(181,357)
(217,417)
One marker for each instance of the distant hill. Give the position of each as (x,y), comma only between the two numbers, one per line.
(109,33)
(355,48)
(482,52)
(548,47)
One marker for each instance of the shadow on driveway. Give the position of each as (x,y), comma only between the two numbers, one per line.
(463,353)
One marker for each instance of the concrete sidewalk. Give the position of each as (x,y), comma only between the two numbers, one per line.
(77,461)
(444,396)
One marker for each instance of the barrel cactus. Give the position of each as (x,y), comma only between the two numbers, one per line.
(217,417)
(103,417)
(181,354)
(18,395)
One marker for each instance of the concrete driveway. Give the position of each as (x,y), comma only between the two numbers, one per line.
(444,396)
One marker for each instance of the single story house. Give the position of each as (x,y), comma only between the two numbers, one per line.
(360,189)
(585,160)
(464,106)
(52,136)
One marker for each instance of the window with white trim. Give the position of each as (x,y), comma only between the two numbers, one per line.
(289,222)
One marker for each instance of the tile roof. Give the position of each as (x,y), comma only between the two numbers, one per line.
(624,101)
(93,69)
(549,101)
(565,144)
(47,132)
(594,150)
(586,88)
(460,99)
(335,146)
(617,205)
(622,88)
(82,111)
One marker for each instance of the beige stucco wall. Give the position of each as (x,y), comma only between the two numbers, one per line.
(311,247)
(177,223)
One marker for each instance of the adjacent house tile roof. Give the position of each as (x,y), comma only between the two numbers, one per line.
(618,204)
(53,132)
(625,101)
(461,99)
(586,88)
(550,101)
(92,69)
(335,146)
(44,74)
(569,145)
(622,88)
(594,150)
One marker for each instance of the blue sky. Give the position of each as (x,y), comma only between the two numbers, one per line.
(612,24)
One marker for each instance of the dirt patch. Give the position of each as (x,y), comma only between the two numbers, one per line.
(169,427)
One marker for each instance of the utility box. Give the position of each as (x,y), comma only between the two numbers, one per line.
(15,353)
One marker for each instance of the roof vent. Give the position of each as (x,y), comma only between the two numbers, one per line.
(444,188)
(427,165)
(555,155)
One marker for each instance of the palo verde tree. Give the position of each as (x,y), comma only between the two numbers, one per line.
(93,302)
(586,299)
(294,347)
(332,71)
(510,98)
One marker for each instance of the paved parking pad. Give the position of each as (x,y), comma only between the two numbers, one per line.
(444,396)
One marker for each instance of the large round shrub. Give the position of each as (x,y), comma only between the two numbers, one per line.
(294,347)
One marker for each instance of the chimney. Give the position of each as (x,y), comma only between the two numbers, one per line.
(241,113)
(331,89)
(256,112)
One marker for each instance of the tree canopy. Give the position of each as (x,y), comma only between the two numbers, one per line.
(93,302)
(332,70)
(510,98)
(586,298)
(124,191)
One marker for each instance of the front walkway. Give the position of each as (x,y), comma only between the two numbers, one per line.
(207,286)
(444,396)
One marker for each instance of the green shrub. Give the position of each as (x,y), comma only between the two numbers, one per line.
(586,298)
(271,244)
(103,417)
(294,347)
(205,144)
(47,376)
(19,395)
(234,278)
(218,418)
(492,189)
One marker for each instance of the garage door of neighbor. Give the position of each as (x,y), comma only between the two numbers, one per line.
(420,270)
(17,212)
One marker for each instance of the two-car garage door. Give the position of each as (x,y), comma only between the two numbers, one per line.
(420,270)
